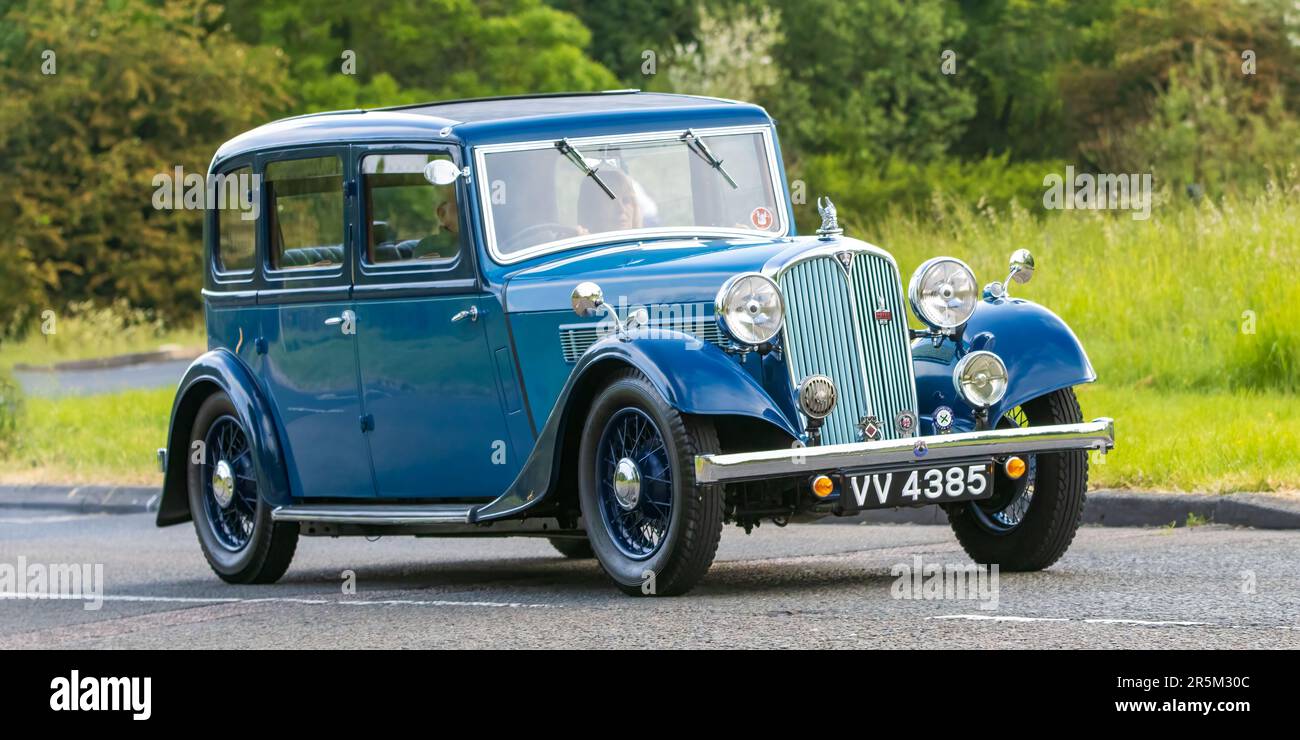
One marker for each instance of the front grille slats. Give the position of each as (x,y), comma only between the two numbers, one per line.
(821,342)
(831,330)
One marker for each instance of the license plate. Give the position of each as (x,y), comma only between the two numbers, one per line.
(938,484)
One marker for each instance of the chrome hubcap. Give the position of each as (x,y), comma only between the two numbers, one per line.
(627,484)
(223,484)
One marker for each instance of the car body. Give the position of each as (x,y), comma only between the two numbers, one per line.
(393,346)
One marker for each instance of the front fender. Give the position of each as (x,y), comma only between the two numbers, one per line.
(220,371)
(693,377)
(1041,353)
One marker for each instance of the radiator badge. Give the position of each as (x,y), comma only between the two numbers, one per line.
(942,420)
(883,314)
(869,426)
(905,423)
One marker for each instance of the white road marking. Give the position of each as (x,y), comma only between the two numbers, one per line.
(1133,622)
(999,618)
(275,600)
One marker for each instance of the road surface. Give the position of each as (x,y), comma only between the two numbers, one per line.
(814,586)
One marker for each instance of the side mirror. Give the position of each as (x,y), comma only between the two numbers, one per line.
(1022,266)
(441,172)
(587,298)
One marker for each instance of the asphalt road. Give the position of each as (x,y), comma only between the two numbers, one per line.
(60,383)
(818,586)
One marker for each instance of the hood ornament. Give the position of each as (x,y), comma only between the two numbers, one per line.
(830,227)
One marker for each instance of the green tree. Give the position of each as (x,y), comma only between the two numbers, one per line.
(100,96)
(622,32)
(864,78)
(730,58)
(1128,59)
(414,51)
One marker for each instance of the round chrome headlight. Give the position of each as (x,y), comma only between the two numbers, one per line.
(981,379)
(817,396)
(751,307)
(943,293)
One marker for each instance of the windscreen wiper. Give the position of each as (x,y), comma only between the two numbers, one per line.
(576,157)
(697,145)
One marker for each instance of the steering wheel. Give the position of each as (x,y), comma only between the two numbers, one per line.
(557,230)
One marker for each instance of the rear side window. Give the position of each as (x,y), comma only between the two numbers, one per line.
(305,212)
(236,225)
(408,218)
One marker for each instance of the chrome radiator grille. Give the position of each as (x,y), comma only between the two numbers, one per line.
(831,330)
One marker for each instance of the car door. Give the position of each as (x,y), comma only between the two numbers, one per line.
(428,377)
(309,326)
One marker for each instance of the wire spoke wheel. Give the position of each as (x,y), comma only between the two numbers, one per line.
(229,484)
(1011,499)
(634,478)
(1029,522)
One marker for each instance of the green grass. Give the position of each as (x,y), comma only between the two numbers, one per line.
(1162,302)
(1216,442)
(103,439)
(84,332)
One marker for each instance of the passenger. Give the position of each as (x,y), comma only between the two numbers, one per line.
(446,242)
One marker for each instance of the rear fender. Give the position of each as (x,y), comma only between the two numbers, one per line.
(220,371)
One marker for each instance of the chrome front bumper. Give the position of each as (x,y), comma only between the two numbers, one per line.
(1098,434)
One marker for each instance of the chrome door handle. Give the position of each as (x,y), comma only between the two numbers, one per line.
(348,322)
(470,313)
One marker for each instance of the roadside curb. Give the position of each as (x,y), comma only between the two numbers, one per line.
(1125,509)
(82,499)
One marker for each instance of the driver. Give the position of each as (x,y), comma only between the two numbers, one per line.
(598,213)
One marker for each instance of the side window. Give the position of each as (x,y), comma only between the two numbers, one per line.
(236,221)
(305,218)
(408,218)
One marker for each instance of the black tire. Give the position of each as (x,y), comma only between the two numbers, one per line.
(695,522)
(269,550)
(573,548)
(1046,528)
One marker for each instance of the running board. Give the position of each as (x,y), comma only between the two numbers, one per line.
(376,514)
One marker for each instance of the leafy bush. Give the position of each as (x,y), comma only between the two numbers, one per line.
(864,192)
(138,88)
(10,405)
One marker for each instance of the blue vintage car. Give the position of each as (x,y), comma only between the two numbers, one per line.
(589,318)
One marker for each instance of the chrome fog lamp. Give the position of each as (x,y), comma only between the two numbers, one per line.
(817,396)
(943,293)
(751,308)
(981,379)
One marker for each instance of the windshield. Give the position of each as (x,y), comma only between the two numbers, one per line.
(574,191)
